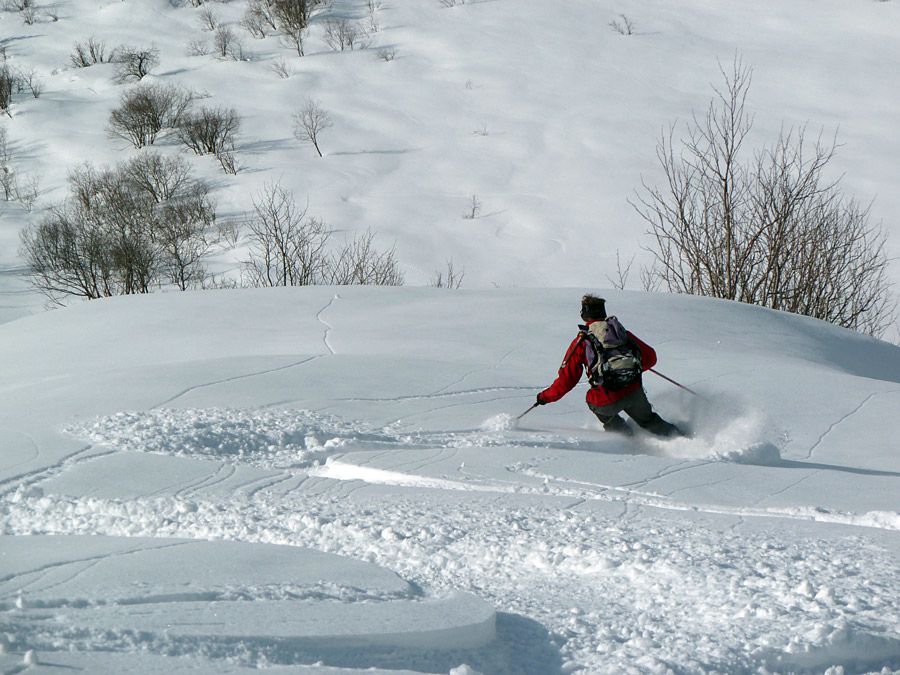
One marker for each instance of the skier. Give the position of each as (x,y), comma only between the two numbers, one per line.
(620,390)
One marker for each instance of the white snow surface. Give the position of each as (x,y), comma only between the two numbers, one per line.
(538,109)
(336,479)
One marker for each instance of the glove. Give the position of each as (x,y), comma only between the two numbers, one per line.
(540,401)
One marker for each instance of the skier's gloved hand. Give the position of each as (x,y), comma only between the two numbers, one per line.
(540,401)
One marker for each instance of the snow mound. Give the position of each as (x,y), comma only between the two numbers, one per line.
(223,596)
(501,422)
(268,439)
(721,428)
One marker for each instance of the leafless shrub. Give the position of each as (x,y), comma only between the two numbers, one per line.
(209,20)
(257,19)
(358,262)
(160,177)
(310,122)
(342,34)
(90,53)
(451,278)
(293,17)
(146,110)
(623,271)
(387,54)
(286,247)
(451,3)
(474,209)
(198,48)
(26,189)
(228,162)
(623,25)
(227,45)
(27,79)
(115,237)
(768,230)
(208,130)
(29,15)
(6,171)
(281,68)
(289,248)
(8,83)
(135,63)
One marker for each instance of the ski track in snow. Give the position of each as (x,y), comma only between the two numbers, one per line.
(328,327)
(736,610)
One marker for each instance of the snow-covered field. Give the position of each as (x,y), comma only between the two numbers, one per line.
(539,110)
(178,468)
(333,480)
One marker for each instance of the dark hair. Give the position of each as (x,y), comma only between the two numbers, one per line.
(592,307)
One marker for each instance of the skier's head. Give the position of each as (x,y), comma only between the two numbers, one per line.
(592,308)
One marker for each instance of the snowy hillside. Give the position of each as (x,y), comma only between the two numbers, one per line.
(539,110)
(191,460)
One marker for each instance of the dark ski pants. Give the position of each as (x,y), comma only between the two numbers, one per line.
(638,408)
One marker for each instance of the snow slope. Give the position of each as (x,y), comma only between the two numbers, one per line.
(538,109)
(176,467)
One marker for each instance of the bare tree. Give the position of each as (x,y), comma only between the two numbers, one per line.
(310,122)
(293,21)
(474,209)
(344,34)
(134,63)
(7,85)
(287,248)
(146,110)
(208,19)
(27,79)
(622,272)
(258,18)
(227,45)
(358,262)
(452,278)
(209,131)
(769,229)
(92,52)
(122,231)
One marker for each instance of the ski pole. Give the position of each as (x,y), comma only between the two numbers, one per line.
(527,411)
(677,384)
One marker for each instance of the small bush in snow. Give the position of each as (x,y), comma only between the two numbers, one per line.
(286,247)
(623,25)
(209,131)
(358,262)
(131,229)
(293,17)
(281,68)
(227,45)
(90,53)
(208,19)
(134,64)
(8,82)
(343,34)
(27,79)
(258,18)
(146,110)
(452,278)
(289,248)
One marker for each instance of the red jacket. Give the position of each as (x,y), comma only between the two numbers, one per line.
(575,362)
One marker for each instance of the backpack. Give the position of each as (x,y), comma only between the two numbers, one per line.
(613,359)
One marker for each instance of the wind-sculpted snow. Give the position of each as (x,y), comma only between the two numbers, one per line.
(612,589)
(765,542)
